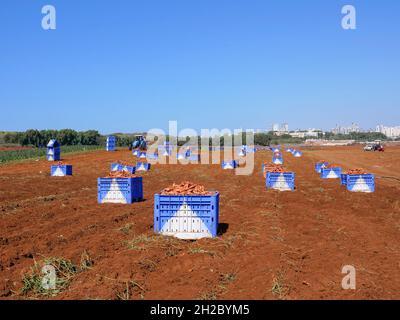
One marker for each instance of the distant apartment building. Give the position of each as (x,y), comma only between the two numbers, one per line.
(347,129)
(390,132)
(280,129)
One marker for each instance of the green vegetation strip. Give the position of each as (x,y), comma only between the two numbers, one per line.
(16,155)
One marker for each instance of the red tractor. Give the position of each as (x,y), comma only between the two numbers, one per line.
(379,147)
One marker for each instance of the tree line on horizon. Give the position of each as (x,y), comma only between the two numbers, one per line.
(66,137)
(69,137)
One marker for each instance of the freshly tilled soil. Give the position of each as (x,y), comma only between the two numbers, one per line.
(272,245)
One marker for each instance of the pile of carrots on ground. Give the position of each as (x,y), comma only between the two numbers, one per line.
(186,188)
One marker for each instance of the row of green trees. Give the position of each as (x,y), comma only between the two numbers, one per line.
(40,138)
(66,137)
(358,136)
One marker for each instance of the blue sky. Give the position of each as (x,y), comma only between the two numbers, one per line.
(123,66)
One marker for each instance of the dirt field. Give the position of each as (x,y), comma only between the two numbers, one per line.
(273,245)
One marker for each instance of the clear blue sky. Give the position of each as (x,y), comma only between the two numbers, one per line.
(123,66)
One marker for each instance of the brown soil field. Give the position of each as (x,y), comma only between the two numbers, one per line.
(273,245)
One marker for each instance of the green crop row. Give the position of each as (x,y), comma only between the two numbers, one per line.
(14,155)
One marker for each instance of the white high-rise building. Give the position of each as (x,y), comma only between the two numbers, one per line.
(280,128)
(390,132)
(346,130)
(275,127)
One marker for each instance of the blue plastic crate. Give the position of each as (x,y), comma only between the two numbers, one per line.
(283,181)
(297,154)
(135,152)
(111,140)
(61,170)
(320,165)
(275,149)
(331,173)
(143,166)
(361,183)
(121,167)
(228,165)
(119,190)
(187,217)
(53,152)
(277,160)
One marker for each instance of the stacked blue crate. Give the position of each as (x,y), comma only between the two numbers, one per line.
(320,165)
(143,166)
(283,181)
(361,183)
(111,143)
(331,173)
(231,164)
(297,154)
(53,151)
(135,152)
(122,167)
(61,170)
(119,190)
(187,217)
